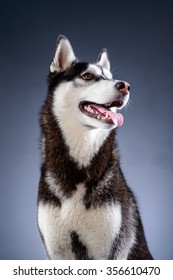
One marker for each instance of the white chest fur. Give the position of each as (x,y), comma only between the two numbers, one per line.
(96,227)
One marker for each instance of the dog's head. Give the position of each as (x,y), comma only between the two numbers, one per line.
(85,93)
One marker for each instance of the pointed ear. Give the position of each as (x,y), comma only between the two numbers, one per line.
(103,59)
(64,55)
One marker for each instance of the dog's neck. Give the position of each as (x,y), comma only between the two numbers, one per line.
(76,145)
(84,142)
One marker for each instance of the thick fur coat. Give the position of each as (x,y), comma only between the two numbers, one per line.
(85,208)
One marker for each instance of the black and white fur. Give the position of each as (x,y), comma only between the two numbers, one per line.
(85,208)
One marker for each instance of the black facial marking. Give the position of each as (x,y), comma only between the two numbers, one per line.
(78,248)
(69,75)
(75,71)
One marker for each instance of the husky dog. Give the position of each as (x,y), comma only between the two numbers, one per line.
(85,208)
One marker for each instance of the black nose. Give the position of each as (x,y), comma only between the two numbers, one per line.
(123,87)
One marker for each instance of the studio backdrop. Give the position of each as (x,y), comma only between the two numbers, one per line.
(138,37)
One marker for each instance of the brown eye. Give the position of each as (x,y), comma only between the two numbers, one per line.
(88,76)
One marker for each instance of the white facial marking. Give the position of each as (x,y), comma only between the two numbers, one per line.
(83,135)
(99,71)
(80,134)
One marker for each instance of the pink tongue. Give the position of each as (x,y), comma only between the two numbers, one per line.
(117,118)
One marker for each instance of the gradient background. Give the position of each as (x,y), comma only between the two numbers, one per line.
(139,39)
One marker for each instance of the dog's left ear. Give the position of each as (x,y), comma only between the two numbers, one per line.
(64,55)
(103,59)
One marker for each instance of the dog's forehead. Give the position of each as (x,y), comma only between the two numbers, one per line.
(98,70)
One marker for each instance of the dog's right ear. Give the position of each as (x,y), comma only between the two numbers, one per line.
(64,55)
(103,59)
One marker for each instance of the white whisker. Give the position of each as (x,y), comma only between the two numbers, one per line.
(112,71)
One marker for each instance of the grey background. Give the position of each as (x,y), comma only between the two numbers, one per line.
(139,39)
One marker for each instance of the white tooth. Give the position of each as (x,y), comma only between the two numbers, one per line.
(113,109)
(107,116)
(90,109)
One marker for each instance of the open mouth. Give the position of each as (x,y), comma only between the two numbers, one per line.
(103,112)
